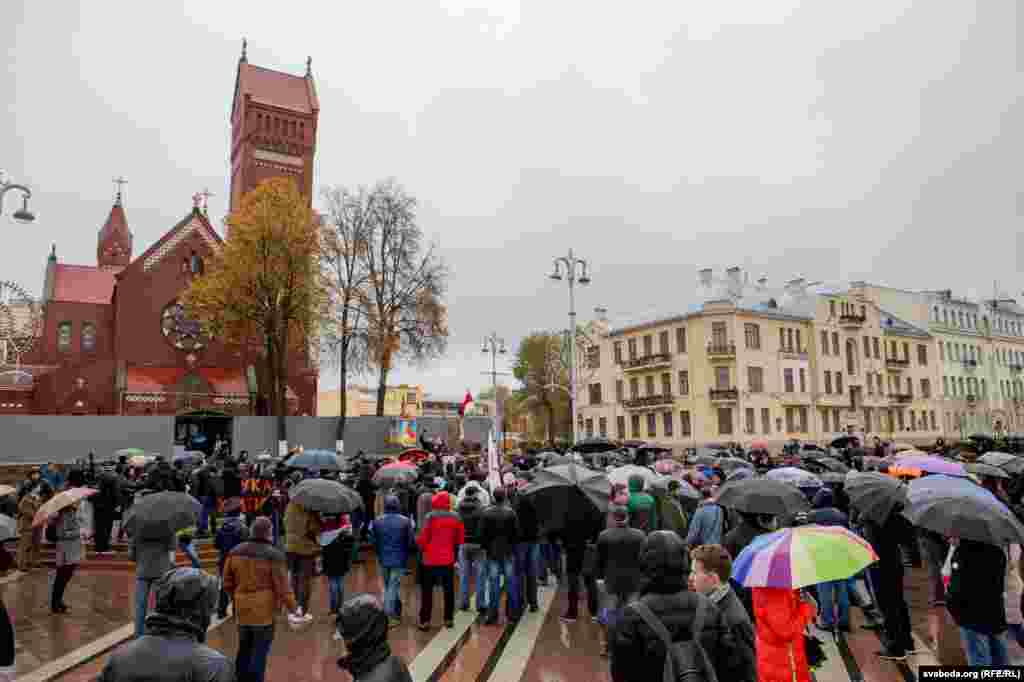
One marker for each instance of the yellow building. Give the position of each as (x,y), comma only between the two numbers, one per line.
(753,362)
(399,401)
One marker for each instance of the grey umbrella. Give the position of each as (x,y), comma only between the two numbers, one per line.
(313,460)
(971,518)
(326,497)
(730,463)
(830,464)
(874,495)
(762,496)
(1004,460)
(8,528)
(161,514)
(983,469)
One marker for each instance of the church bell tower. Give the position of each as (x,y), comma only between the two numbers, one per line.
(273,128)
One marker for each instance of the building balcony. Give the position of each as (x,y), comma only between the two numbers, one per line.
(646,362)
(723,395)
(649,401)
(901,397)
(852,321)
(795,398)
(1015,368)
(897,365)
(721,351)
(792,354)
(970,365)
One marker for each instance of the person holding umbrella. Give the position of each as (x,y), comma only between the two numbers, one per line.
(28,538)
(69,552)
(302,543)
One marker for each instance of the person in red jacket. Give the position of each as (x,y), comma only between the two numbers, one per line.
(781,617)
(439,540)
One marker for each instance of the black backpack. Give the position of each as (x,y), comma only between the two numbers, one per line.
(51,532)
(684,660)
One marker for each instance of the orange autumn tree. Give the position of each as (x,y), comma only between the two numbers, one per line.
(263,286)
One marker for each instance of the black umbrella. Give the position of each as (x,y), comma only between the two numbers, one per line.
(161,514)
(762,496)
(730,463)
(8,528)
(874,495)
(593,445)
(972,517)
(314,460)
(844,441)
(326,497)
(1012,464)
(567,494)
(390,475)
(983,469)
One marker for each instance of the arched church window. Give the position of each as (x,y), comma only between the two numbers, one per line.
(64,337)
(196,265)
(88,337)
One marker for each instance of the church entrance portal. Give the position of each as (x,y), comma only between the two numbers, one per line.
(201,430)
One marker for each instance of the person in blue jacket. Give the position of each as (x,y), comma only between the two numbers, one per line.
(393,536)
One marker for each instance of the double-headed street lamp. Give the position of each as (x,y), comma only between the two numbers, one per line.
(572,265)
(22,215)
(495,345)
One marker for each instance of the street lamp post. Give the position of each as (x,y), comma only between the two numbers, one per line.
(572,264)
(22,215)
(495,345)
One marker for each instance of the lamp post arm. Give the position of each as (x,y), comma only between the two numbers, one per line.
(6,187)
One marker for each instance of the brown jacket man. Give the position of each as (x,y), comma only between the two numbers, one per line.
(256,575)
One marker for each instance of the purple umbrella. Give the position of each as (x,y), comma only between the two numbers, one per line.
(930,464)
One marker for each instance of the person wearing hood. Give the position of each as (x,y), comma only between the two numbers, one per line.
(499,531)
(888,539)
(482,495)
(393,538)
(472,559)
(781,618)
(69,553)
(337,540)
(232,533)
(28,542)
(737,539)
(637,651)
(302,542)
(670,512)
(104,504)
(441,535)
(643,514)
(363,625)
(975,600)
(173,649)
(708,523)
(833,596)
(618,563)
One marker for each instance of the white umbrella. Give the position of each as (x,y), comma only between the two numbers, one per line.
(624,473)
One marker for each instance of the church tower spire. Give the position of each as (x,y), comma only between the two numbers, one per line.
(114,242)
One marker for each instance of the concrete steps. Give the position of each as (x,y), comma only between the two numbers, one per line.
(118,559)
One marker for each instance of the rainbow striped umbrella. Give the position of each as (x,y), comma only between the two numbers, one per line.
(806,555)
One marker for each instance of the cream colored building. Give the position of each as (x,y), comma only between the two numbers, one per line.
(399,401)
(753,362)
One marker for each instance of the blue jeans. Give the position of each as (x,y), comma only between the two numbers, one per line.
(528,569)
(392,591)
(190,552)
(552,553)
(984,649)
(253,649)
(471,569)
(142,588)
(832,596)
(336,588)
(496,568)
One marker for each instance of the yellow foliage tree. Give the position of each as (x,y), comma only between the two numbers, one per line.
(263,286)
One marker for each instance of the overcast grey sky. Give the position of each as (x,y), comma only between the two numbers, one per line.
(836,140)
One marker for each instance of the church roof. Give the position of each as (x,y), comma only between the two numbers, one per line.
(83,283)
(194,221)
(276,88)
(117,223)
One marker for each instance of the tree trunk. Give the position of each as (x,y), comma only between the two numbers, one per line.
(343,391)
(551,422)
(382,389)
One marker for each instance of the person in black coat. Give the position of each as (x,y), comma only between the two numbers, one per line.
(499,532)
(975,600)
(618,563)
(104,504)
(528,559)
(363,625)
(337,560)
(888,539)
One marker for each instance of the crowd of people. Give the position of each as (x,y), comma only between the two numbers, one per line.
(655,571)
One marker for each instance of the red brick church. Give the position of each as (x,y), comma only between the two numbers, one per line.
(114,340)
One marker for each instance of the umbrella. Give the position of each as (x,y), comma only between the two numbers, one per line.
(63,499)
(130,452)
(414,455)
(900,447)
(830,464)
(730,463)
(190,457)
(957,507)
(162,514)
(872,462)
(6,490)
(624,473)
(759,445)
(593,445)
(929,463)
(667,466)
(979,468)
(313,460)
(686,490)
(705,460)
(832,477)
(326,497)
(762,496)
(844,441)
(391,474)
(8,528)
(794,476)
(793,558)
(874,495)
(739,474)
(569,497)
(1004,460)
(139,460)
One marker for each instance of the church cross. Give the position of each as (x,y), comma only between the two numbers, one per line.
(206,194)
(119,181)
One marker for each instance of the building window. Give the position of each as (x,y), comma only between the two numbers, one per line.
(851,357)
(874,347)
(831,308)
(619,391)
(922,355)
(942,353)
(593,357)
(790,421)
(620,427)
(595,394)
(912,420)
(684,383)
(787,379)
(635,424)
(649,385)
(750,421)
(666,418)
(752,335)
(984,391)
(766,420)
(64,337)
(867,347)
(789,341)
(799,343)
(631,345)
(899,420)
(634,388)
(590,428)
(725,421)
(824,343)
(648,345)
(88,337)
(945,385)
(839,383)
(906,352)
(755,379)
(685,428)
(835,343)
(722,378)
(663,343)
(824,420)
(196,265)
(719,337)
(926,388)
(782,338)
(803,380)
(603,426)
(617,350)
(681,340)
(803,419)
(652,425)
(871,384)
(828,382)
(666,384)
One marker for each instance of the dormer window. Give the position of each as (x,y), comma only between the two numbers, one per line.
(64,337)
(88,337)
(196,264)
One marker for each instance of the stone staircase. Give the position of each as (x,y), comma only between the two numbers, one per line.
(118,560)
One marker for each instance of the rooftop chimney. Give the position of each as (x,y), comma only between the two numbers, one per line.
(734,275)
(762,282)
(601,314)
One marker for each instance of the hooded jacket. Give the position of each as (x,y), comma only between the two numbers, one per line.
(302,531)
(707,524)
(637,652)
(781,617)
(976,587)
(441,533)
(230,535)
(643,515)
(172,649)
(364,626)
(618,558)
(256,575)
(825,512)
(499,531)
(392,535)
(469,511)
(670,512)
